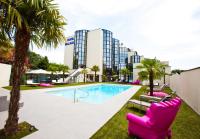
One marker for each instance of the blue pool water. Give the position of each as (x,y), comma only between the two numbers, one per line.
(92,94)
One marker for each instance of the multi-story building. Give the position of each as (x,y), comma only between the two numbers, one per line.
(87,48)
(115,54)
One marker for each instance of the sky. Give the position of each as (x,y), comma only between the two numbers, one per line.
(166,29)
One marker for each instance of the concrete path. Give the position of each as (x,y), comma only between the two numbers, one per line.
(57,117)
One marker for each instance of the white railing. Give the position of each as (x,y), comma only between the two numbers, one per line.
(76,97)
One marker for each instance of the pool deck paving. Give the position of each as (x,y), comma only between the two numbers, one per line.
(56,117)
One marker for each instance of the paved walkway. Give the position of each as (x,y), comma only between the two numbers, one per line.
(58,118)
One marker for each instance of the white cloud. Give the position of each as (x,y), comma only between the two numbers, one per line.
(100,7)
(167,29)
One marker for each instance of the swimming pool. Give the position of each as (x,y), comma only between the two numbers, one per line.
(92,94)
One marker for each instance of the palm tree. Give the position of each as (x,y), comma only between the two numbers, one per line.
(64,69)
(53,68)
(125,72)
(28,21)
(95,68)
(151,69)
(84,72)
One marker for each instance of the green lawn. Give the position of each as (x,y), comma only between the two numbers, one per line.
(29,87)
(186,125)
(24,130)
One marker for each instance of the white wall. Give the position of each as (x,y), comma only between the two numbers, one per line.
(68,56)
(5,71)
(95,49)
(187,86)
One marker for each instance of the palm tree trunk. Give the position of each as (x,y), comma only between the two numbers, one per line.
(151,82)
(22,41)
(124,77)
(63,77)
(95,74)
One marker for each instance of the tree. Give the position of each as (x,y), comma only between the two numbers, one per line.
(176,71)
(6,51)
(44,63)
(95,68)
(125,72)
(64,69)
(28,21)
(53,67)
(84,72)
(34,59)
(151,69)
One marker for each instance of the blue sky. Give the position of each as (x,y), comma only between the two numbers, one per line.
(166,29)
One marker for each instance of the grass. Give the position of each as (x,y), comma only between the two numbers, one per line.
(185,126)
(24,130)
(29,87)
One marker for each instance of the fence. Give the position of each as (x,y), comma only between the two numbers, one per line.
(187,86)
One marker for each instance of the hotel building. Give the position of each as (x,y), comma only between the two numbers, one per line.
(87,48)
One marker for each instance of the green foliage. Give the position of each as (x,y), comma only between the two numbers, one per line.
(34,59)
(149,65)
(53,67)
(28,21)
(44,63)
(95,68)
(84,72)
(6,51)
(37,61)
(176,71)
(63,68)
(104,78)
(125,72)
(41,18)
(151,69)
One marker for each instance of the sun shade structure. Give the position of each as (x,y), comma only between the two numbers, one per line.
(39,71)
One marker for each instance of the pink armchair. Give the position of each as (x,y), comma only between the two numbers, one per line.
(156,123)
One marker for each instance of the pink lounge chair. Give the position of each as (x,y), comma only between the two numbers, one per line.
(156,123)
(136,82)
(159,94)
(45,85)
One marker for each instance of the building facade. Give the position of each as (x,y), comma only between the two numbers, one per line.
(115,54)
(87,48)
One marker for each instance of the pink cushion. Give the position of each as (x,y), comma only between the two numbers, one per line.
(159,94)
(45,84)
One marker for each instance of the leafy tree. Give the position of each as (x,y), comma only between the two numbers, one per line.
(95,68)
(53,68)
(44,63)
(176,71)
(34,59)
(84,72)
(125,72)
(6,50)
(151,69)
(28,21)
(64,69)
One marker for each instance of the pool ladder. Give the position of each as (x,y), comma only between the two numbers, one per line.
(77,98)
